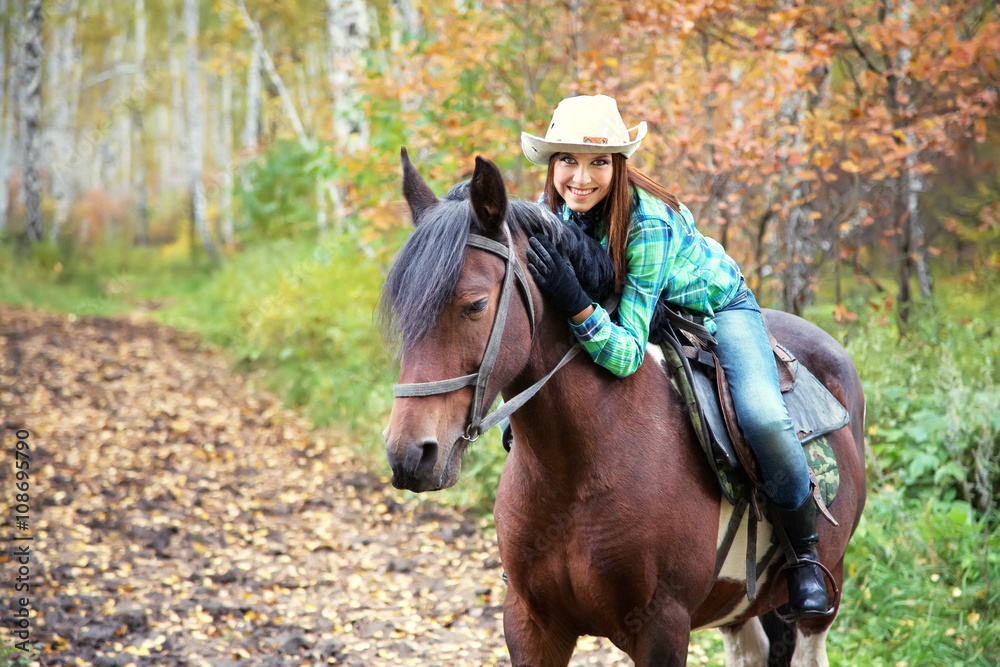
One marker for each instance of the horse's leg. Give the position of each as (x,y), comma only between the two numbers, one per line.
(810,645)
(810,634)
(528,642)
(663,639)
(746,644)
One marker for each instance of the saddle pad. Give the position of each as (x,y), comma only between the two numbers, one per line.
(823,464)
(814,411)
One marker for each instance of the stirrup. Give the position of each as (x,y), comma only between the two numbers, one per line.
(787,616)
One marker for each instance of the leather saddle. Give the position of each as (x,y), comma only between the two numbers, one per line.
(686,345)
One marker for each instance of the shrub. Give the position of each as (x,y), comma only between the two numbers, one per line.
(932,396)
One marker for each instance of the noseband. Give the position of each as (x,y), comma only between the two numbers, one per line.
(477,423)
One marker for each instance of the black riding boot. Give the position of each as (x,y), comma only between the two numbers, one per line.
(806,585)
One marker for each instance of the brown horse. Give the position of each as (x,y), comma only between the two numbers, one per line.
(607,516)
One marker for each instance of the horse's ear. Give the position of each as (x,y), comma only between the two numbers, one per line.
(488,194)
(417,193)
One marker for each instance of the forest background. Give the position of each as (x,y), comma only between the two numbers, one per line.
(232,167)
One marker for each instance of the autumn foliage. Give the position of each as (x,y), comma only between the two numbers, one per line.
(795,131)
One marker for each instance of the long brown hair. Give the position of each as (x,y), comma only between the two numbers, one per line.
(616,209)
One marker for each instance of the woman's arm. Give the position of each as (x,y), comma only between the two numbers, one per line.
(621,347)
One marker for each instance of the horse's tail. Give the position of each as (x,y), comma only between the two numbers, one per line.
(782,638)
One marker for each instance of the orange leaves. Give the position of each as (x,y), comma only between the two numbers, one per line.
(842,316)
(979,130)
(850,166)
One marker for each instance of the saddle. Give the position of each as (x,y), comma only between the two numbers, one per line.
(702,382)
(703,385)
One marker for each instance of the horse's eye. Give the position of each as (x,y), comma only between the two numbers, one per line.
(477,307)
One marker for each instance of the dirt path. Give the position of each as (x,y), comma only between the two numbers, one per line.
(180,517)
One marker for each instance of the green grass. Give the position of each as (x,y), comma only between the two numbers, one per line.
(95,280)
(923,586)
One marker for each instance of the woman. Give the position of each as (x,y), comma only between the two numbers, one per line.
(656,250)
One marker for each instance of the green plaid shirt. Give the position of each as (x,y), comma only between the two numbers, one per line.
(665,254)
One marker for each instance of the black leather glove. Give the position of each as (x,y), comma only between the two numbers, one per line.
(554,275)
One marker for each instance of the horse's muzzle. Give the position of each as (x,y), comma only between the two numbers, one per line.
(413,465)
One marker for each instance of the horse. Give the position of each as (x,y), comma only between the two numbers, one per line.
(607,516)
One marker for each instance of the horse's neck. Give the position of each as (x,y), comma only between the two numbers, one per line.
(559,430)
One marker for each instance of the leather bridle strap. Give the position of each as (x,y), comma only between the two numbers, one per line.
(478,424)
(489,245)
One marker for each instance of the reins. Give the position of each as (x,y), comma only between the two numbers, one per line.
(477,423)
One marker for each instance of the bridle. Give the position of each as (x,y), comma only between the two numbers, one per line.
(477,423)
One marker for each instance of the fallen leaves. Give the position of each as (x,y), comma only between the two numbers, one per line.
(186,518)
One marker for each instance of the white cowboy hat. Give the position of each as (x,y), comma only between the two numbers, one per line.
(584,124)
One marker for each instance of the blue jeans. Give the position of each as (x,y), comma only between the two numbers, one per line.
(745,354)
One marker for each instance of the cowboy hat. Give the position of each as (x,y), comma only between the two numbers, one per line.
(584,124)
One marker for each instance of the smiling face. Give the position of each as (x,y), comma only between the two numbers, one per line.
(582,179)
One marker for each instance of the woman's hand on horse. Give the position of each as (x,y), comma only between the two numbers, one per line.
(556,279)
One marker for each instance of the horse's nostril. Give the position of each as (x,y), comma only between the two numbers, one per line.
(428,454)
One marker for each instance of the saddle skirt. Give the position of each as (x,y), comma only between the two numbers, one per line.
(814,411)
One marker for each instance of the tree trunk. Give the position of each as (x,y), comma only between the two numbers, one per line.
(31,111)
(137,111)
(175,173)
(272,72)
(322,186)
(109,174)
(251,120)
(799,248)
(199,202)
(303,94)
(910,185)
(226,157)
(5,120)
(349,32)
(61,68)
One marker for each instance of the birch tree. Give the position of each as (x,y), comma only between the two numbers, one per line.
(199,202)
(177,116)
(136,111)
(5,116)
(348,32)
(31,111)
(324,188)
(909,183)
(108,128)
(225,151)
(251,119)
(63,117)
(799,248)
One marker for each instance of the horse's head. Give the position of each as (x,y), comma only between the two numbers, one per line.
(452,280)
